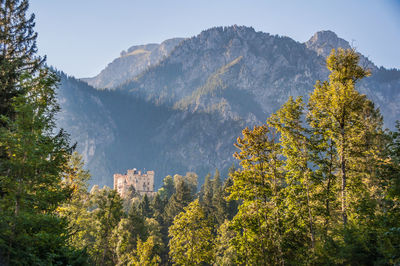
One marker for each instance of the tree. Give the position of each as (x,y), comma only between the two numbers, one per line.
(388,213)
(75,209)
(299,191)
(218,200)
(180,199)
(107,213)
(32,175)
(17,52)
(144,255)
(206,194)
(339,108)
(225,253)
(144,207)
(127,233)
(167,189)
(191,237)
(258,184)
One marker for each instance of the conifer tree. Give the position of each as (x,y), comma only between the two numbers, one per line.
(218,201)
(17,51)
(206,195)
(145,208)
(191,237)
(180,199)
(107,213)
(144,254)
(258,184)
(300,187)
(31,177)
(339,108)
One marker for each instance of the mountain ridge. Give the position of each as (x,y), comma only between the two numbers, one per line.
(185,111)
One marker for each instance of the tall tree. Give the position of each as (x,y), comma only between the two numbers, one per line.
(107,213)
(17,51)
(218,201)
(180,199)
(191,237)
(206,194)
(300,187)
(337,106)
(32,175)
(258,184)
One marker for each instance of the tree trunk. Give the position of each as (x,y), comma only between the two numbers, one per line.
(344,178)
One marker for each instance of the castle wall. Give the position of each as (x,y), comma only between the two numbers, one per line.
(143,183)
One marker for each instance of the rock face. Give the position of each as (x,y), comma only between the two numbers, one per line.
(324,41)
(184,112)
(131,63)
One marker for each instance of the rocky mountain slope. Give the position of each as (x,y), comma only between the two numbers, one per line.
(131,63)
(116,131)
(184,112)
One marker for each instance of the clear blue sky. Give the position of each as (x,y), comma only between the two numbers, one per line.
(81,37)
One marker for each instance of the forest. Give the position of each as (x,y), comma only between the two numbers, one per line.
(317,184)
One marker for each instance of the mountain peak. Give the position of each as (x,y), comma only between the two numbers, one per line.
(322,42)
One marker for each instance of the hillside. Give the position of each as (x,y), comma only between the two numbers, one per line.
(183,110)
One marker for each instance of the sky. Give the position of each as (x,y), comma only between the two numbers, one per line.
(80,37)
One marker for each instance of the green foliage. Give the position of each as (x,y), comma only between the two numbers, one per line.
(181,198)
(191,237)
(225,253)
(31,175)
(327,192)
(259,184)
(167,188)
(17,52)
(144,254)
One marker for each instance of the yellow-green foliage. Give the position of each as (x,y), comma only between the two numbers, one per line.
(191,238)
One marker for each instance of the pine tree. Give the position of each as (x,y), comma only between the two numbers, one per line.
(225,253)
(206,195)
(167,188)
(145,208)
(218,201)
(107,213)
(179,200)
(144,254)
(32,175)
(17,51)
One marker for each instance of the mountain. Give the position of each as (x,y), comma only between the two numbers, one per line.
(116,131)
(131,63)
(184,111)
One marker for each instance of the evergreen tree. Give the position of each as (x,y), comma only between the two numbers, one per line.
(17,52)
(31,177)
(388,213)
(154,230)
(231,205)
(167,189)
(191,237)
(300,187)
(206,195)
(225,253)
(179,200)
(218,201)
(107,213)
(258,184)
(144,255)
(144,207)
(339,108)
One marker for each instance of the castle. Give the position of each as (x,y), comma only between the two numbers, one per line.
(143,183)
